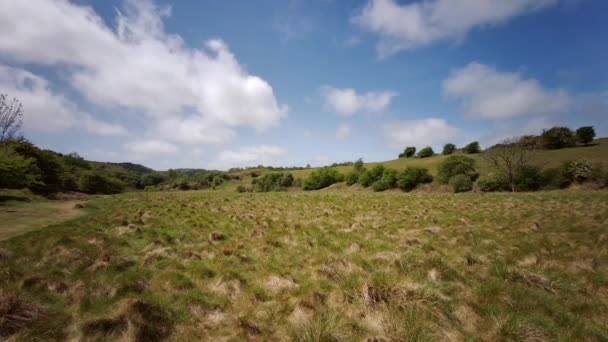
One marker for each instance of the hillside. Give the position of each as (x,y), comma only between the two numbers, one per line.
(596,152)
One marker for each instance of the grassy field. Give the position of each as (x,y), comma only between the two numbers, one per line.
(597,152)
(319,266)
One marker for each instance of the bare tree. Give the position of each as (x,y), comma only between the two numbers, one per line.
(509,157)
(11,112)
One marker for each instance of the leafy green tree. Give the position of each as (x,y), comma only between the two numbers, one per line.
(426,152)
(472,148)
(448,149)
(93,182)
(322,178)
(16,171)
(409,178)
(585,134)
(409,152)
(153,178)
(558,137)
(456,165)
(359,166)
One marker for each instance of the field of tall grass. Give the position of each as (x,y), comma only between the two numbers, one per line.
(319,266)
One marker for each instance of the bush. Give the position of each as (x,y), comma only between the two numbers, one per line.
(17,172)
(371,176)
(492,182)
(456,165)
(585,134)
(579,171)
(359,166)
(426,152)
(322,178)
(352,178)
(273,182)
(242,188)
(599,174)
(409,178)
(448,149)
(96,183)
(529,178)
(556,178)
(558,137)
(461,183)
(153,178)
(408,152)
(472,148)
(387,181)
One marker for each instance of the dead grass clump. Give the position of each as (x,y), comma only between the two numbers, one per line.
(15,314)
(250,327)
(533,280)
(105,327)
(4,254)
(276,284)
(150,322)
(217,236)
(323,326)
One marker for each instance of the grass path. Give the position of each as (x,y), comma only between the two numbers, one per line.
(18,218)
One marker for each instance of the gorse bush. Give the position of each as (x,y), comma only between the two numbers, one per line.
(529,178)
(448,149)
(409,178)
(556,178)
(461,183)
(322,178)
(492,182)
(274,182)
(96,183)
(387,181)
(371,176)
(426,152)
(352,178)
(456,165)
(579,171)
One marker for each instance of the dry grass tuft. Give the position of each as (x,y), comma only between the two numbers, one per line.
(15,314)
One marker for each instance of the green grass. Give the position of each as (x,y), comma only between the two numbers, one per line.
(597,152)
(317,266)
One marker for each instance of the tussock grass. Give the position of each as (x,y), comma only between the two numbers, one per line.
(324,266)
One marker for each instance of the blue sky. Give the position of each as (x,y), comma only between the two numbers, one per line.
(218,84)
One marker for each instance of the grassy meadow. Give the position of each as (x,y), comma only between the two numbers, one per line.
(334,265)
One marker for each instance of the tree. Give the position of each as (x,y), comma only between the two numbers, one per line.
(359,167)
(509,158)
(558,137)
(408,152)
(456,165)
(472,148)
(426,152)
(448,149)
(585,134)
(11,112)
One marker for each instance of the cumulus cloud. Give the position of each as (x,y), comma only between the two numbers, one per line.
(137,65)
(343,132)
(421,23)
(249,156)
(150,148)
(346,101)
(46,110)
(419,133)
(491,94)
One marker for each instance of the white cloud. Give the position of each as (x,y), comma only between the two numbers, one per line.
(343,132)
(419,133)
(491,94)
(347,102)
(321,158)
(420,23)
(249,156)
(150,148)
(139,66)
(45,110)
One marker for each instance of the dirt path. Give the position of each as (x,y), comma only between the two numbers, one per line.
(20,218)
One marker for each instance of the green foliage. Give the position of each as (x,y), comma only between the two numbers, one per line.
(426,152)
(96,183)
(529,178)
(492,182)
(456,165)
(409,152)
(472,148)
(409,178)
(274,182)
(153,178)
(16,171)
(322,178)
(461,183)
(371,176)
(585,134)
(387,181)
(242,188)
(558,137)
(448,149)
(579,171)
(556,178)
(358,166)
(352,178)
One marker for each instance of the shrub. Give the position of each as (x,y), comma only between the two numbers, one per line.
(558,137)
(16,171)
(448,149)
(585,134)
(242,188)
(370,176)
(529,178)
(352,178)
(322,178)
(387,181)
(530,142)
(472,148)
(456,165)
(599,174)
(579,170)
(556,178)
(426,152)
(96,183)
(359,166)
(273,182)
(492,182)
(461,183)
(287,180)
(409,178)
(408,152)
(153,178)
